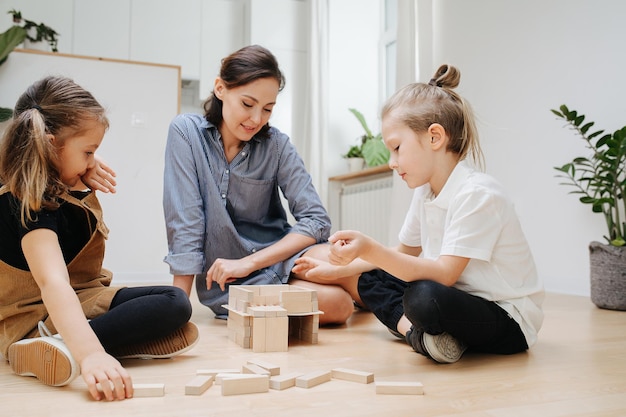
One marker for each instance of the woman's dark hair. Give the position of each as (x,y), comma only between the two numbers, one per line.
(243,66)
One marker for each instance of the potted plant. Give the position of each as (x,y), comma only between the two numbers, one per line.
(36,32)
(600,180)
(17,34)
(354,156)
(371,147)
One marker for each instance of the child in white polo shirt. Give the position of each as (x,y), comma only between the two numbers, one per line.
(463,276)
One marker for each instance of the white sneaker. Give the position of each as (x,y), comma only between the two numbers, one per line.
(47,358)
(443,348)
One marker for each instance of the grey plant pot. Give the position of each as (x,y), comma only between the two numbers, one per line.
(608,276)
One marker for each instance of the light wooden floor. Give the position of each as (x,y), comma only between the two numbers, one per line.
(578,368)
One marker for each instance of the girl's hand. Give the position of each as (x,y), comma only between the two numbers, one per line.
(224,271)
(101,177)
(347,245)
(99,369)
(316,269)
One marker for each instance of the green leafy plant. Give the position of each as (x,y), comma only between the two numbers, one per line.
(15,35)
(370,147)
(601,178)
(41,31)
(354,152)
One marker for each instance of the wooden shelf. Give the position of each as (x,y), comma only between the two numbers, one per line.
(381,169)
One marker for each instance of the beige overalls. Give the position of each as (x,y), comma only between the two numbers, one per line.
(21,306)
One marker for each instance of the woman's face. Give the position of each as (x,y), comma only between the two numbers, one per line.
(247,108)
(76,149)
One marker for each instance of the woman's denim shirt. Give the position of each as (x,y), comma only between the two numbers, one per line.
(216,209)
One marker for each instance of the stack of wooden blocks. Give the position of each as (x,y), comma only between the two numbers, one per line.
(262,317)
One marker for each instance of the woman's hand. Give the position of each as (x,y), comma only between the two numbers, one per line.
(101,370)
(100,177)
(224,271)
(316,269)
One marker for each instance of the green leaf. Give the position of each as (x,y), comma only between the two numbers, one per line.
(374,152)
(9,41)
(361,119)
(5,114)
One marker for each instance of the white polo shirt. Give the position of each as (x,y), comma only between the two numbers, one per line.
(472,217)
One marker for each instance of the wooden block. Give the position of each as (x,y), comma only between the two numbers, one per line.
(242,306)
(399,388)
(241,292)
(219,378)
(308,337)
(281,382)
(251,368)
(312,379)
(148,390)
(272,300)
(270,367)
(198,385)
(272,290)
(214,372)
(239,318)
(243,341)
(259,300)
(277,334)
(310,323)
(353,375)
(258,334)
(249,384)
(296,301)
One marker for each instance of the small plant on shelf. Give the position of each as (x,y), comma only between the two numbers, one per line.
(371,147)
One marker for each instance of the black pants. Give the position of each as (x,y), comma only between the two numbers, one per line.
(435,308)
(142,314)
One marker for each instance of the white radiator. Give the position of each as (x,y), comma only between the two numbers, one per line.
(364,205)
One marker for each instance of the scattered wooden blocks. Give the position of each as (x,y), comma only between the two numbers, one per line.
(148,390)
(353,375)
(199,384)
(248,384)
(312,379)
(281,382)
(214,372)
(399,388)
(273,369)
(251,368)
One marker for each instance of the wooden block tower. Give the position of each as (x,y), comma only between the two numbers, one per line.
(262,317)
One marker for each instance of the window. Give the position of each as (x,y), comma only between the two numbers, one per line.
(389,47)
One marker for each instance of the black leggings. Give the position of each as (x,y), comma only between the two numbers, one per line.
(142,314)
(435,308)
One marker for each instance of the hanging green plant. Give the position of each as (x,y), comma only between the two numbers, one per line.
(15,35)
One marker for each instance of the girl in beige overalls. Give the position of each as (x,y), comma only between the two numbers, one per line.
(52,248)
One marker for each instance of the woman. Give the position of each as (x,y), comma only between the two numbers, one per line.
(224,176)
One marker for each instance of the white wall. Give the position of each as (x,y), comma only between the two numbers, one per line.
(354,31)
(518,60)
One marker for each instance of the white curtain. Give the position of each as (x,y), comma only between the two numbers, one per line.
(407,71)
(315,111)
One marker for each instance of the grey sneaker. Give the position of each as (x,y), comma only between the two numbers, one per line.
(443,348)
(396,333)
(47,358)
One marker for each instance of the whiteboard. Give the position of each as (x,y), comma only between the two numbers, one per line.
(141,99)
